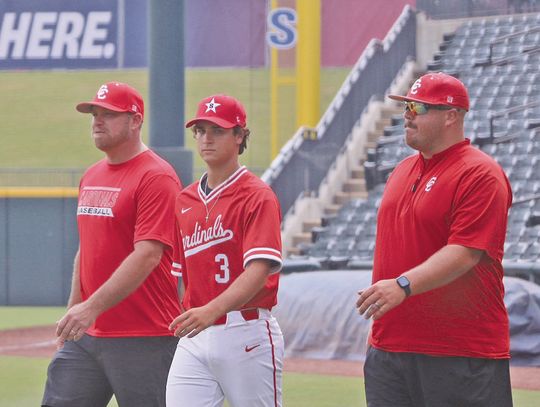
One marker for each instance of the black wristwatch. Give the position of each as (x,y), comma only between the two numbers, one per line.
(404,283)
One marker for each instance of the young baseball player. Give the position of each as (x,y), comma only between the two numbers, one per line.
(228,255)
(114,337)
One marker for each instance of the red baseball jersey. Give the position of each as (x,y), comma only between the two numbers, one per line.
(460,196)
(220,233)
(118,206)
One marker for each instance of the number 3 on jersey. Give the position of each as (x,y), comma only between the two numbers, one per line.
(224,276)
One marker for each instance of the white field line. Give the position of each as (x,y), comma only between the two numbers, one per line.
(33,345)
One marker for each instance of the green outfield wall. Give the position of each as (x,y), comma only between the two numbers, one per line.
(38,240)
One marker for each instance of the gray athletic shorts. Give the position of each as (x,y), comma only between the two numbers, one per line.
(86,373)
(415,380)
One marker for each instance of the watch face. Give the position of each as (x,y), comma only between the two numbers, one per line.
(405,284)
(403,281)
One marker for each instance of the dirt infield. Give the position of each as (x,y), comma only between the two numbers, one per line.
(39,342)
(30,342)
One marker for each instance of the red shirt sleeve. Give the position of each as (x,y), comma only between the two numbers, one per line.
(480,207)
(155,209)
(178,260)
(262,229)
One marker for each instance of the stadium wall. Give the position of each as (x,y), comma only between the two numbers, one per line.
(38,241)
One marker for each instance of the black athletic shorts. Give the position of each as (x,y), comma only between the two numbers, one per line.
(415,380)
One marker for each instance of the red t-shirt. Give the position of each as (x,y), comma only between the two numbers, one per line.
(243,224)
(120,205)
(460,196)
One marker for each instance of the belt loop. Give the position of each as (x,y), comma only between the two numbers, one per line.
(250,314)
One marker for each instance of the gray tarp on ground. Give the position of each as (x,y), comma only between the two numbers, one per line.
(316,311)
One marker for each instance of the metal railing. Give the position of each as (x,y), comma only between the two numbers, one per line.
(525,270)
(501,113)
(501,40)
(438,9)
(303,162)
(63,177)
(40,177)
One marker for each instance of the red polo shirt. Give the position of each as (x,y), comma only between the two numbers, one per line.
(460,196)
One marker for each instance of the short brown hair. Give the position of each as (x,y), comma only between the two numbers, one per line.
(238,130)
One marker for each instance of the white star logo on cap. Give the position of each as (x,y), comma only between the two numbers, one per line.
(212,106)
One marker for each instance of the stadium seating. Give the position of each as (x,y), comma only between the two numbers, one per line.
(498,61)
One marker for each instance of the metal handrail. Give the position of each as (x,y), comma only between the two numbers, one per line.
(500,113)
(505,37)
(530,269)
(303,163)
(526,199)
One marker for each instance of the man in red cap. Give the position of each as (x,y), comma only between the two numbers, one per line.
(115,337)
(440,335)
(228,254)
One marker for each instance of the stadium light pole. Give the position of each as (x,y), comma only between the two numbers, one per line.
(166,85)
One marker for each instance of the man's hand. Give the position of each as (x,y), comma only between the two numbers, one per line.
(380,298)
(244,288)
(73,325)
(193,321)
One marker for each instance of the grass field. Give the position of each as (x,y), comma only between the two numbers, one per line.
(41,129)
(22,379)
(23,317)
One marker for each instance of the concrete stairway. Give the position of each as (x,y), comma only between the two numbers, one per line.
(355,186)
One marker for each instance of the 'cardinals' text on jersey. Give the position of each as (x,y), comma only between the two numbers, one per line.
(218,234)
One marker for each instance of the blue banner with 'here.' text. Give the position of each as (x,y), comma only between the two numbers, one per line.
(37,34)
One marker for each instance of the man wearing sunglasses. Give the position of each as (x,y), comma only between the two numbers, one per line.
(440,335)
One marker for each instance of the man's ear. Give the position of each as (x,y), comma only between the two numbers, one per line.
(240,137)
(137,119)
(452,116)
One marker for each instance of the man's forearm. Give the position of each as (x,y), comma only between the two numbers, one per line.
(75,295)
(244,288)
(127,277)
(443,267)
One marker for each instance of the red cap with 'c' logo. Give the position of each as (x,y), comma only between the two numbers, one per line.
(437,89)
(115,96)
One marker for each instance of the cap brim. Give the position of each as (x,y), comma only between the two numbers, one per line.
(216,120)
(428,102)
(86,107)
(406,99)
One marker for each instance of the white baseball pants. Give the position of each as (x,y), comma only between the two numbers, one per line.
(241,361)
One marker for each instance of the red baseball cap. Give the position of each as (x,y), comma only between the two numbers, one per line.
(115,96)
(223,110)
(437,89)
